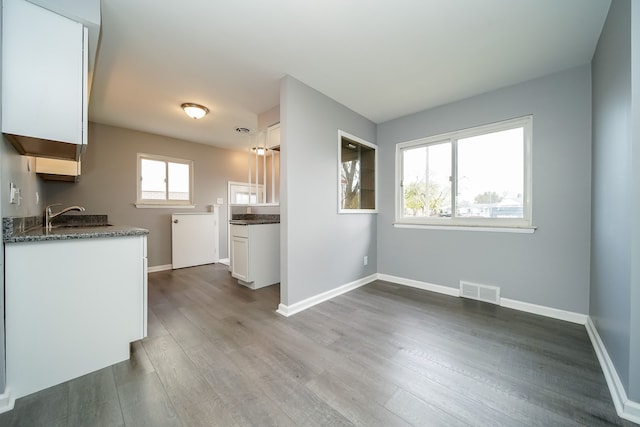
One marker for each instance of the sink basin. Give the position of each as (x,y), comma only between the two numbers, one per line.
(80,221)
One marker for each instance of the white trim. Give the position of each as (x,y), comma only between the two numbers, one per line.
(554,313)
(159,206)
(446,290)
(6,402)
(290,310)
(522,230)
(224,261)
(157,268)
(627,409)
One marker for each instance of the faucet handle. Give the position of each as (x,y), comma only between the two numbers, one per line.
(48,208)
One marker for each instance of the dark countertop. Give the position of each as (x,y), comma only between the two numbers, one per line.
(253,221)
(40,234)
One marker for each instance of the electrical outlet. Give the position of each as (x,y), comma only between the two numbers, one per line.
(366,260)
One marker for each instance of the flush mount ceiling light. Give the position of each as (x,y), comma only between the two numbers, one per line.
(195,111)
(259,150)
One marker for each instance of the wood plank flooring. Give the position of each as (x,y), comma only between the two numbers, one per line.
(382,355)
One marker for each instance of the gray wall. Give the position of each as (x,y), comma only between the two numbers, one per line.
(616,179)
(322,249)
(549,267)
(108,182)
(20,170)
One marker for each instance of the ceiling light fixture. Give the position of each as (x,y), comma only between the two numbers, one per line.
(195,111)
(259,150)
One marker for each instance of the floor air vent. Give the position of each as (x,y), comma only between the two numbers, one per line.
(480,292)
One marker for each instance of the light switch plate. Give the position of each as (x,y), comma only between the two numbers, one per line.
(220,201)
(14,193)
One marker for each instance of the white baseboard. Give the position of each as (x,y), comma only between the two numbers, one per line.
(446,290)
(627,409)
(505,302)
(157,268)
(224,261)
(554,313)
(290,310)
(6,402)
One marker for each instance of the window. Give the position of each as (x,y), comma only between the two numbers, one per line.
(243,193)
(357,164)
(478,177)
(164,181)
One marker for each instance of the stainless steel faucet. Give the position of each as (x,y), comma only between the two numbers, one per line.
(48,215)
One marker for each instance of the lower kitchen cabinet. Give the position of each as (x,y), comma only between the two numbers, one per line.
(255,254)
(72,307)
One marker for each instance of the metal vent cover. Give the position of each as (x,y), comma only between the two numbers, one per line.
(479,292)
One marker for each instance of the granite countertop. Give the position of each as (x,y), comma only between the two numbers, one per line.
(253,219)
(41,234)
(28,229)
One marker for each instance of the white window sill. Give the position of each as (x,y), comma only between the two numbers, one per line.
(503,229)
(159,206)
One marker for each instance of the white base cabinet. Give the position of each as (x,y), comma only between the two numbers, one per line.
(72,307)
(255,254)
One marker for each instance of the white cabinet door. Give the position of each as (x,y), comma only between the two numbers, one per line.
(76,312)
(43,74)
(240,258)
(194,239)
(273,136)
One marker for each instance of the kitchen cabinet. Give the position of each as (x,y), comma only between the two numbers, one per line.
(72,307)
(273,137)
(194,238)
(44,81)
(255,254)
(58,170)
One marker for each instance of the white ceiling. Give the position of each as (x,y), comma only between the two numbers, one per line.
(381,58)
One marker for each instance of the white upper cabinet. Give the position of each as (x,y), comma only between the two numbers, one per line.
(273,136)
(44,81)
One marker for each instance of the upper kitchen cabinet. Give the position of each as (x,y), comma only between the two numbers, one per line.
(273,137)
(45,60)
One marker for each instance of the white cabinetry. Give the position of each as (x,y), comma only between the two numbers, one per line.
(72,307)
(194,238)
(44,81)
(255,254)
(273,136)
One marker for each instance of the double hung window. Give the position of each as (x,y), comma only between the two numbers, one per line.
(474,177)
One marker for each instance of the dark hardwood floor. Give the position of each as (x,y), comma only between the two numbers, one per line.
(217,354)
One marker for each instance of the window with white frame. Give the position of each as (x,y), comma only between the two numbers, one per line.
(164,181)
(478,177)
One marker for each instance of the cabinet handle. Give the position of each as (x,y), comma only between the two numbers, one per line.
(175,221)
